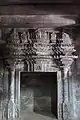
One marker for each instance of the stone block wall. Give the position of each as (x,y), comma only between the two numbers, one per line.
(42,100)
(27,100)
(35,99)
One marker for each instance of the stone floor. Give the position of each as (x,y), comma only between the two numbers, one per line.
(32,116)
(37,116)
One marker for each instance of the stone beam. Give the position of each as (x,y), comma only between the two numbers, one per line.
(36,21)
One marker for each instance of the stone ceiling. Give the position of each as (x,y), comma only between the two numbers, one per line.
(25,9)
(61,13)
(35,21)
(37,1)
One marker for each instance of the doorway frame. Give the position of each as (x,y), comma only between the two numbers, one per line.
(25,75)
(59,93)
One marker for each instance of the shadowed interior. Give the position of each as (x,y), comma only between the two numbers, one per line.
(39,91)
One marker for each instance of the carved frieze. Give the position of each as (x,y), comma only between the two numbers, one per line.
(33,44)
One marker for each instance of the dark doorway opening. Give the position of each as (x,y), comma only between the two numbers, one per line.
(39,93)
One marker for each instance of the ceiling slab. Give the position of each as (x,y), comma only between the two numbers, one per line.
(40,9)
(3,2)
(35,21)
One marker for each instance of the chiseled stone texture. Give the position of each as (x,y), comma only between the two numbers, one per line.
(76,88)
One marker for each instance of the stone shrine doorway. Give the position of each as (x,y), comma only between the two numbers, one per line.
(39,93)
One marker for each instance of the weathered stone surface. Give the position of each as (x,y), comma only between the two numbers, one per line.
(45,60)
(27,99)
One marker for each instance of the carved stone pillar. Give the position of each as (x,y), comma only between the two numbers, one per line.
(18,70)
(65,94)
(70,94)
(60,96)
(11,102)
(13,109)
(5,95)
(17,93)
